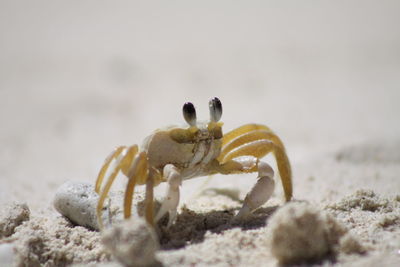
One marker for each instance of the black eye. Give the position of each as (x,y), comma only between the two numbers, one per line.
(215,109)
(189,113)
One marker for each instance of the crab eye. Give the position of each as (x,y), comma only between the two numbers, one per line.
(189,113)
(215,109)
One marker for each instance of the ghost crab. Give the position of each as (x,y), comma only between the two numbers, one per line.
(175,154)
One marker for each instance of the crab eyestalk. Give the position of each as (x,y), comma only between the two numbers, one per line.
(189,113)
(214,127)
(215,109)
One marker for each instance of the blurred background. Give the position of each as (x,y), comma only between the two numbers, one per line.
(78,78)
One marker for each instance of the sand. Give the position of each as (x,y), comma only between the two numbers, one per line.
(76,80)
(359,227)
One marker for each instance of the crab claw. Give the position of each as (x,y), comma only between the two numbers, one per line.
(171,200)
(260,192)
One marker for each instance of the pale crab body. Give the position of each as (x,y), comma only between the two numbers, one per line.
(175,154)
(193,159)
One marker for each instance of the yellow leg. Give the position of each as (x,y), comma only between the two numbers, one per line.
(139,171)
(258,140)
(122,158)
(105,166)
(242,130)
(150,200)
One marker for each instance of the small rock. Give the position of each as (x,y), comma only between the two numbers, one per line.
(132,242)
(78,201)
(11,216)
(298,233)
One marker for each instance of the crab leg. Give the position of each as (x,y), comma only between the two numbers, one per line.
(105,166)
(264,186)
(138,172)
(261,191)
(258,140)
(149,200)
(120,159)
(171,200)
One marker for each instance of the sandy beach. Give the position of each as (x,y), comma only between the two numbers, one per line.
(78,79)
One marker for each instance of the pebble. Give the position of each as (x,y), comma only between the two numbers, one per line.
(132,242)
(298,233)
(78,201)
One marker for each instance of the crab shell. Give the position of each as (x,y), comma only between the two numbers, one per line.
(192,149)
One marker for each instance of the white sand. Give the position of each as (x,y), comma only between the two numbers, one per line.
(78,79)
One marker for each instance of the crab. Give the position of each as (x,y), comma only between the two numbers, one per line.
(175,154)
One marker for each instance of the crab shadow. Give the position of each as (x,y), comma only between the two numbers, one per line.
(191,227)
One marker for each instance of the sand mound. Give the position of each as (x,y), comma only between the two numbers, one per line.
(299,233)
(359,226)
(54,242)
(373,218)
(365,200)
(11,216)
(132,242)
